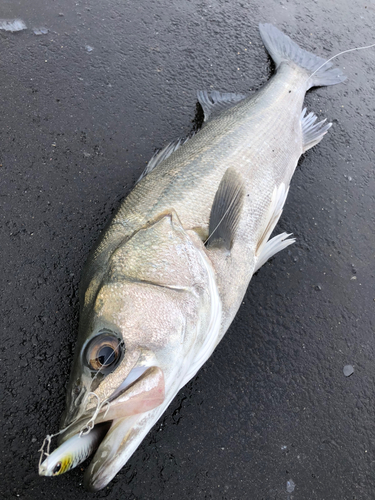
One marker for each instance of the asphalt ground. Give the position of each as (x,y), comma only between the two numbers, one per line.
(89,90)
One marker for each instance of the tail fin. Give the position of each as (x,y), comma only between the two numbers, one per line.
(282,48)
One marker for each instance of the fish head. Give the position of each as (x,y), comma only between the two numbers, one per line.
(134,327)
(143,324)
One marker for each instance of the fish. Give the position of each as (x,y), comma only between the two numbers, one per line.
(170,270)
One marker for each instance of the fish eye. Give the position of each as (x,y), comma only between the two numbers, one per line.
(56,469)
(104,352)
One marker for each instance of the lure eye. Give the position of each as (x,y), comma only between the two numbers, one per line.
(104,352)
(56,469)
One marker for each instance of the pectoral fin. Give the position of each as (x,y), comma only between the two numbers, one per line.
(226,210)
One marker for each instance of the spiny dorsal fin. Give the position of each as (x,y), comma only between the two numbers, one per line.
(226,210)
(163,154)
(214,102)
(312,132)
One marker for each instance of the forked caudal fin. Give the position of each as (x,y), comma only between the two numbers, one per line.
(281,48)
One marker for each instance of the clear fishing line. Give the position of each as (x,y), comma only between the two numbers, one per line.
(337,55)
(91,422)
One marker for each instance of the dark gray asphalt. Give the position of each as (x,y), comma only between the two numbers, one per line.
(82,109)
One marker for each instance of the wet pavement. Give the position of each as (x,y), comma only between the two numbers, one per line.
(284,409)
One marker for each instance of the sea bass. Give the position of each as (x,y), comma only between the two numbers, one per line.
(167,276)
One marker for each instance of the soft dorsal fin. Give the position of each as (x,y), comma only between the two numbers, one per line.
(214,102)
(226,210)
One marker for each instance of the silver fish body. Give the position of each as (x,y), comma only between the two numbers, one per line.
(168,275)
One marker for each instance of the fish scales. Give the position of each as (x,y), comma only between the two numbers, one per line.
(261,137)
(168,274)
(256,137)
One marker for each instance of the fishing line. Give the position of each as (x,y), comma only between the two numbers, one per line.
(312,74)
(105,362)
(87,428)
(100,404)
(83,431)
(225,213)
(220,221)
(91,423)
(337,55)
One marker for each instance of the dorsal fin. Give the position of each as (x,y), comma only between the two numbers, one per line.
(226,210)
(213,103)
(163,154)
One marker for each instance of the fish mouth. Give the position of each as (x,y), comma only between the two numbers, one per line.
(122,439)
(128,411)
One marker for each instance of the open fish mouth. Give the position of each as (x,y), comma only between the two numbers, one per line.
(111,429)
(142,390)
(166,279)
(132,410)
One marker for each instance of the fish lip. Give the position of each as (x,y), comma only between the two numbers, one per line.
(128,382)
(122,438)
(77,424)
(95,480)
(143,394)
(91,486)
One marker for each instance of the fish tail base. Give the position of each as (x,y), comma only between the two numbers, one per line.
(282,49)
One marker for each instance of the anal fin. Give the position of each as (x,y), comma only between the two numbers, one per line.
(312,132)
(226,210)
